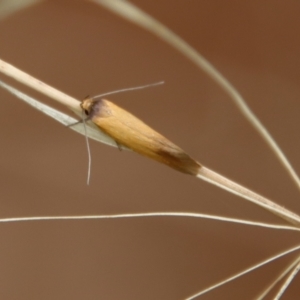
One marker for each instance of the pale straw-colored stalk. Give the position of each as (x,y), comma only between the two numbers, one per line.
(204,173)
(10,7)
(151,214)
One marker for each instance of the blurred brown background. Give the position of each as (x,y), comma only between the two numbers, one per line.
(82,49)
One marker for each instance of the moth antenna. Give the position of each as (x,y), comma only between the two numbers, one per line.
(130,89)
(88,150)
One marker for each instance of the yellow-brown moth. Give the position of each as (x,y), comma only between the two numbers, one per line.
(129,131)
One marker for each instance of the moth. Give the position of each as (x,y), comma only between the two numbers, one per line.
(129,131)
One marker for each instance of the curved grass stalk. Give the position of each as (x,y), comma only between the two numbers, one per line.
(9,7)
(135,15)
(17,74)
(234,188)
(204,172)
(150,214)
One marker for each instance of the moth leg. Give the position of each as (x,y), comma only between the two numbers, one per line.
(70,125)
(81,121)
(119,146)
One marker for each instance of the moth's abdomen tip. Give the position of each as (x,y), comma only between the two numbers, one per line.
(193,169)
(179,160)
(190,167)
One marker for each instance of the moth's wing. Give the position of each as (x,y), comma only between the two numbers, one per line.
(128,130)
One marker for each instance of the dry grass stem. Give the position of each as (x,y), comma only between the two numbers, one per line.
(9,7)
(204,173)
(148,215)
(230,186)
(40,86)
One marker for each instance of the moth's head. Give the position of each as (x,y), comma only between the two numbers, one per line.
(92,107)
(87,105)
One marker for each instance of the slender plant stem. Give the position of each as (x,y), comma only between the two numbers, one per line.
(135,15)
(204,173)
(9,7)
(148,215)
(39,86)
(224,183)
